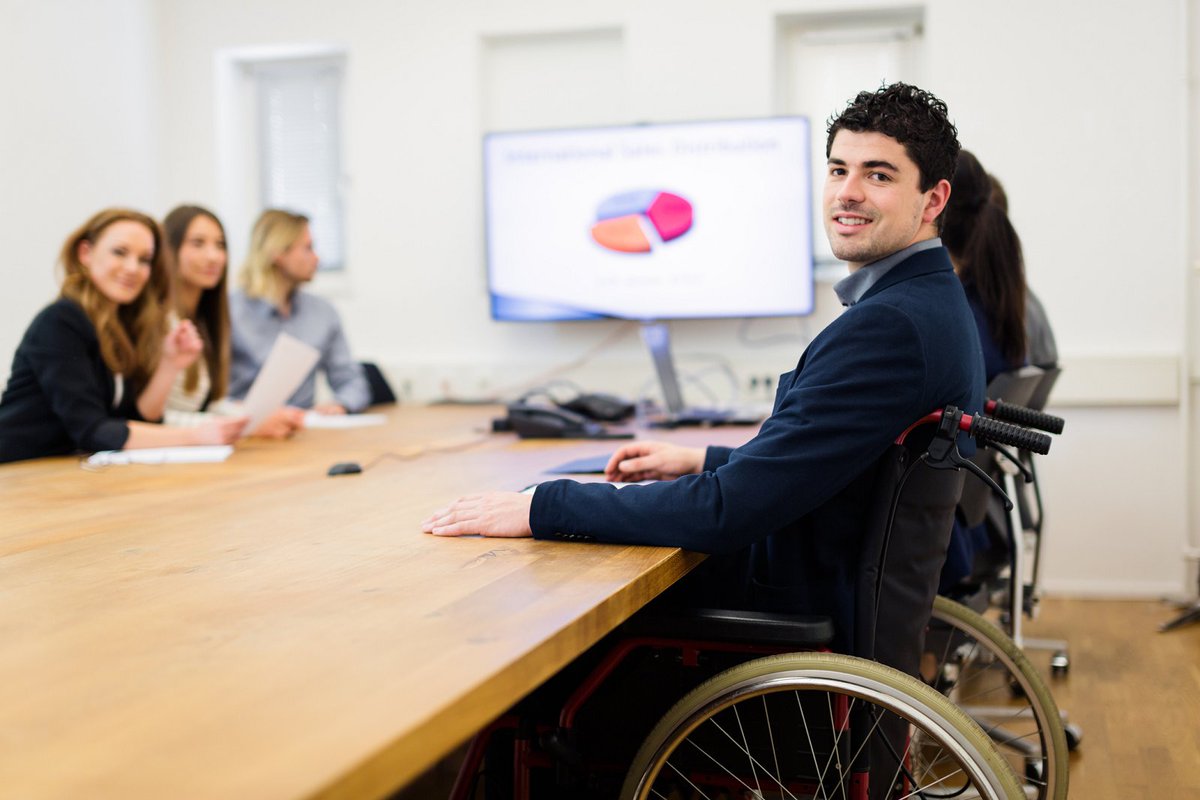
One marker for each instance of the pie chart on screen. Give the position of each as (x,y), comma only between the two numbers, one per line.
(641,220)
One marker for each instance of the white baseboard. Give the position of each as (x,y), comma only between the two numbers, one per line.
(1114,381)
(1110,589)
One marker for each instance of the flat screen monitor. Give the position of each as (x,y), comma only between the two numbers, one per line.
(686,220)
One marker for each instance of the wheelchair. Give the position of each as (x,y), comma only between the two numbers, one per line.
(1010,582)
(983,672)
(1012,526)
(764,709)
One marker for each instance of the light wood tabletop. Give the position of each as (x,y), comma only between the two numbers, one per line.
(255,628)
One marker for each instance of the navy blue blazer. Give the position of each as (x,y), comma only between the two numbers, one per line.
(790,504)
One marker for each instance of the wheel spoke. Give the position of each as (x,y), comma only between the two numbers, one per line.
(877,725)
(718,763)
(834,761)
(919,790)
(689,782)
(746,749)
(812,749)
(771,736)
(903,756)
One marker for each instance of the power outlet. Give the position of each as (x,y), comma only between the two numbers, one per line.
(768,384)
(760,387)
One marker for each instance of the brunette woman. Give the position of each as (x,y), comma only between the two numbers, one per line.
(197,260)
(986,252)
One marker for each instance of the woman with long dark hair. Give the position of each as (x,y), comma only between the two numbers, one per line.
(987,256)
(986,252)
(198,261)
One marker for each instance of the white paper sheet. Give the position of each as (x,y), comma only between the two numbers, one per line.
(315,420)
(162,455)
(286,367)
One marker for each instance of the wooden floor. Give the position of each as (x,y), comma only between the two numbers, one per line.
(1135,692)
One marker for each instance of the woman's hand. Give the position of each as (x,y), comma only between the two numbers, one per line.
(653,461)
(329,408)
(281,424)
(182,345)
(493,514)
(222,430)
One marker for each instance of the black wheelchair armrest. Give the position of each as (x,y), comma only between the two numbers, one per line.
(801,631)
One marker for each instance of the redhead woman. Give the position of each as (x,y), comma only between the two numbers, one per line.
(94,369)
(270,302)
(197,260)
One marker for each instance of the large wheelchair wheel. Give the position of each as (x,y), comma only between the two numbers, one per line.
(805,725)
(983,672)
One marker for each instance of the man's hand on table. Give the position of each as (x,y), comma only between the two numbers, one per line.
(504,514)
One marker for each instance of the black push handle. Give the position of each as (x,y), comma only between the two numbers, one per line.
(985,430)
(1025,417)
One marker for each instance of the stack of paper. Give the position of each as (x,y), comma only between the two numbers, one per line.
(163,455)
(314,420)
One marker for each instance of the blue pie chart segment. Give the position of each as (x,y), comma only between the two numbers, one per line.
(620,205)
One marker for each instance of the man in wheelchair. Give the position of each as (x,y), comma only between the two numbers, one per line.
(784,506)
(784,514)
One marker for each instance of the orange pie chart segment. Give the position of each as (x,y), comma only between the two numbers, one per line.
(623,234)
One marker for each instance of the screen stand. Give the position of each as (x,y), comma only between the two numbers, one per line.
(657,336)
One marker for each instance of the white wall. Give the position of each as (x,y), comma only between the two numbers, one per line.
(1078,115)
(78,133)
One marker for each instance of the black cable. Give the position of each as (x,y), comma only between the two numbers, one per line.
(887,535)
(421,451)
(803,337)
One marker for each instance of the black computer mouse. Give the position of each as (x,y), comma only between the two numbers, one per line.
(345,468)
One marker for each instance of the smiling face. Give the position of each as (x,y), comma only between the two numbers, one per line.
(202,258)
(119,261)
(298,263)
(873,202)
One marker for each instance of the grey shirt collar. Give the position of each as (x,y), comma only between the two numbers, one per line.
(851,288)
(267,309)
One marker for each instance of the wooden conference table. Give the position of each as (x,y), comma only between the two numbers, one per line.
(256,629)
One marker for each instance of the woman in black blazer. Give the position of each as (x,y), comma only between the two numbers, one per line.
(94,368)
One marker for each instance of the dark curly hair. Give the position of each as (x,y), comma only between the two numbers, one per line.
(911,116)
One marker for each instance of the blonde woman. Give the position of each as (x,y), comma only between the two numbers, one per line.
(270,302)
(98,363)
(197,261)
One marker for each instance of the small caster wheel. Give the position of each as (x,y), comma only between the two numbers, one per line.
(1060,664)
(1074,736)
